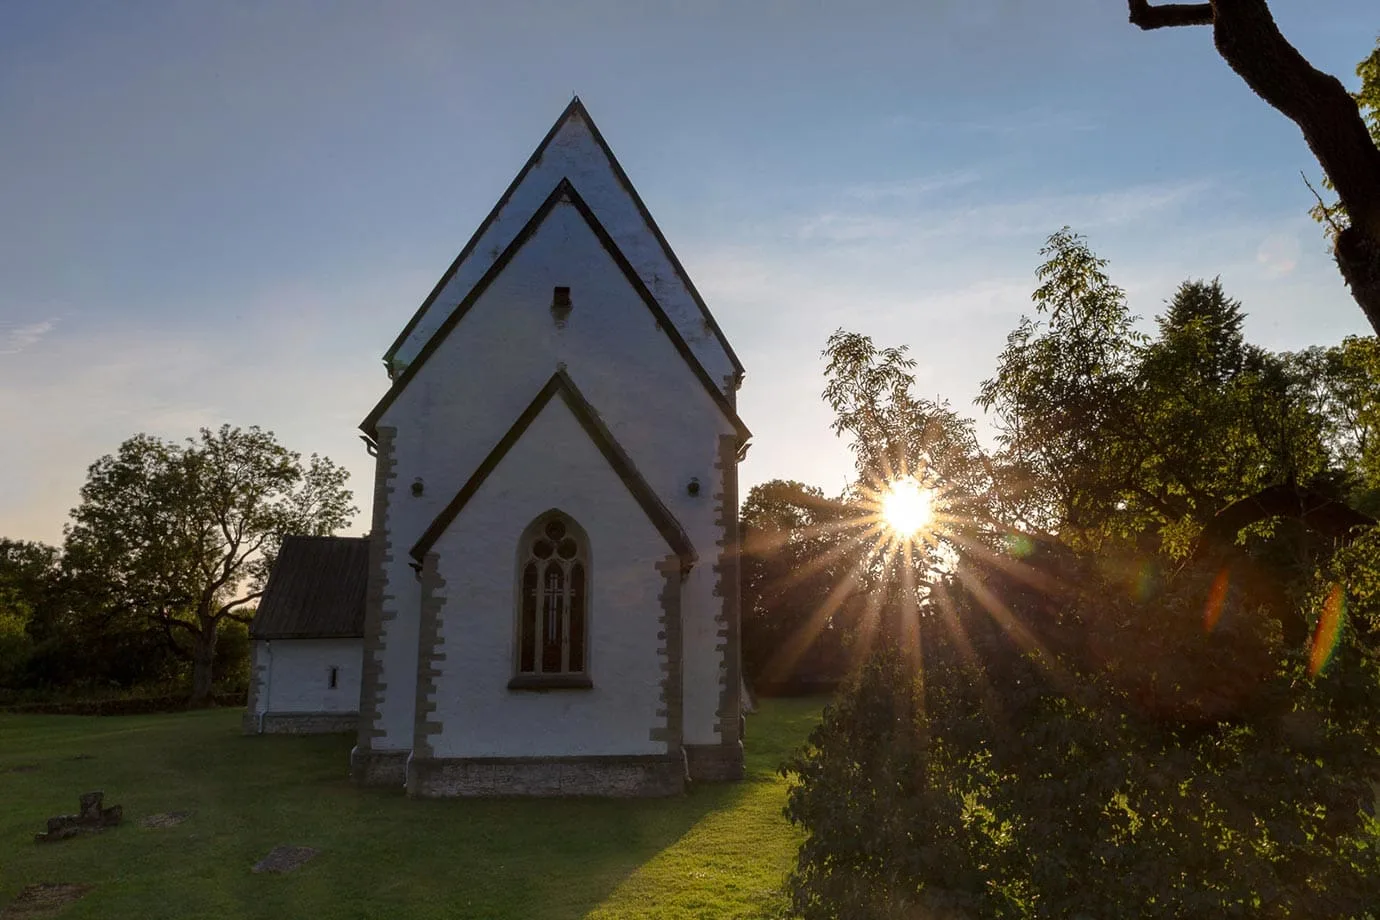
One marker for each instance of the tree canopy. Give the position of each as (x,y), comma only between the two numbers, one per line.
(1143,678)
(179,537)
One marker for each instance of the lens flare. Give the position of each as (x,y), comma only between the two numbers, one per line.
(1329,630)
(1217,596)
(907,508)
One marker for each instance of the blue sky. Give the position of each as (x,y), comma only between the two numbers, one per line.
(226,212)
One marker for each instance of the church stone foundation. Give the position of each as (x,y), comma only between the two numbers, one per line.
(610,776)
(304,723)
(714,763)
(378,768)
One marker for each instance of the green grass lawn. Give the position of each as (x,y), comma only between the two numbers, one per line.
(720,851)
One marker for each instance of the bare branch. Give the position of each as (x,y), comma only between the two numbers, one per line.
(1324,208)
(1170,14)
(226,609)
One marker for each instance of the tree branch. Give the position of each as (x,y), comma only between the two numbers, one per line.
(1324,209)
(1318,512)
(173,644)
(227,608)
(1250,42)
(1169,15)
(171,621)
(1252,45)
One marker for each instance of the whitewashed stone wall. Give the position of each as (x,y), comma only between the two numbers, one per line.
(294,675)
(554,465)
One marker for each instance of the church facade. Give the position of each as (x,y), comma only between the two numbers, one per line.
(552,587)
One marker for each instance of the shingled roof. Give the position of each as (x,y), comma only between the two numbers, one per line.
(316,590)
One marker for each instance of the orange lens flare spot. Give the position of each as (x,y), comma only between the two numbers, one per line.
(1217,598)
(1329,630)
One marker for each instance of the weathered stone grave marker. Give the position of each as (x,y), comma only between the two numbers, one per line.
(91,818)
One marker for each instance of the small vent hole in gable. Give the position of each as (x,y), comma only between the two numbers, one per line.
(560,305)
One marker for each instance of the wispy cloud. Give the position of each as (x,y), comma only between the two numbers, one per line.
(14,338)
(305,366)
(911,189)
(1033,121)
(1083,211)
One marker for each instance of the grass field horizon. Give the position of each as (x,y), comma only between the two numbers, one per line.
(719,851)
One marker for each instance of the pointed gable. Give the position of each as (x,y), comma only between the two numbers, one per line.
(564,192)
(574,150)
(561,386)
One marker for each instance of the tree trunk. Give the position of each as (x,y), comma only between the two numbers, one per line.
(1250,42)
(203,661)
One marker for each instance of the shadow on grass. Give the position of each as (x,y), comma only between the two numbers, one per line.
(382,854)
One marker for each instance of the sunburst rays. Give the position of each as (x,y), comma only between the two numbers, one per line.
(888,549)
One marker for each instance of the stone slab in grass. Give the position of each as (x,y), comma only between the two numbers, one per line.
(92,818)
(165,819)
(41,901)
(285,859)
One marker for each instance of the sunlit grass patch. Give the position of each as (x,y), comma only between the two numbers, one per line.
(720,851)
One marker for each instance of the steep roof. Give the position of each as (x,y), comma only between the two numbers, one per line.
(565,191)
(316,590)
(560,385)
(575,110)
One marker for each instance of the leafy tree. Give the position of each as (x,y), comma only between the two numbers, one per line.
(1159,702)
(1062,383)
(1117,437)
(824,577)
(894,433)
(28,572)
(1346,389)
(1009,784)
(797,596)
(1204,324)
(54,635)
(180,537)
(1330,118)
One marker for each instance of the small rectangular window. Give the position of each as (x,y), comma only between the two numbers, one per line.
(335,677)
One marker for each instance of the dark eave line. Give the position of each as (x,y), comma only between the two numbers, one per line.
(479,233)
(665,244)
(564,191)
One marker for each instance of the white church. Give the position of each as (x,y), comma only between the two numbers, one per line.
(547,602)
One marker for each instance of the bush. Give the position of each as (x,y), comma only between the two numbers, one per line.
(15,646)
(120,706)
(232,655)
(1107,758)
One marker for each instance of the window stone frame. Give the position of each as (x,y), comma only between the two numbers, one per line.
(560,680)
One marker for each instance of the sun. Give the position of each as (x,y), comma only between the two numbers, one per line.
(907,507)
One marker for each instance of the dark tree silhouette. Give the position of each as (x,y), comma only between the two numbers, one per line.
(1250,42)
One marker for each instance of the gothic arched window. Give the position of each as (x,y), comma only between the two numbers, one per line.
(553,592)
